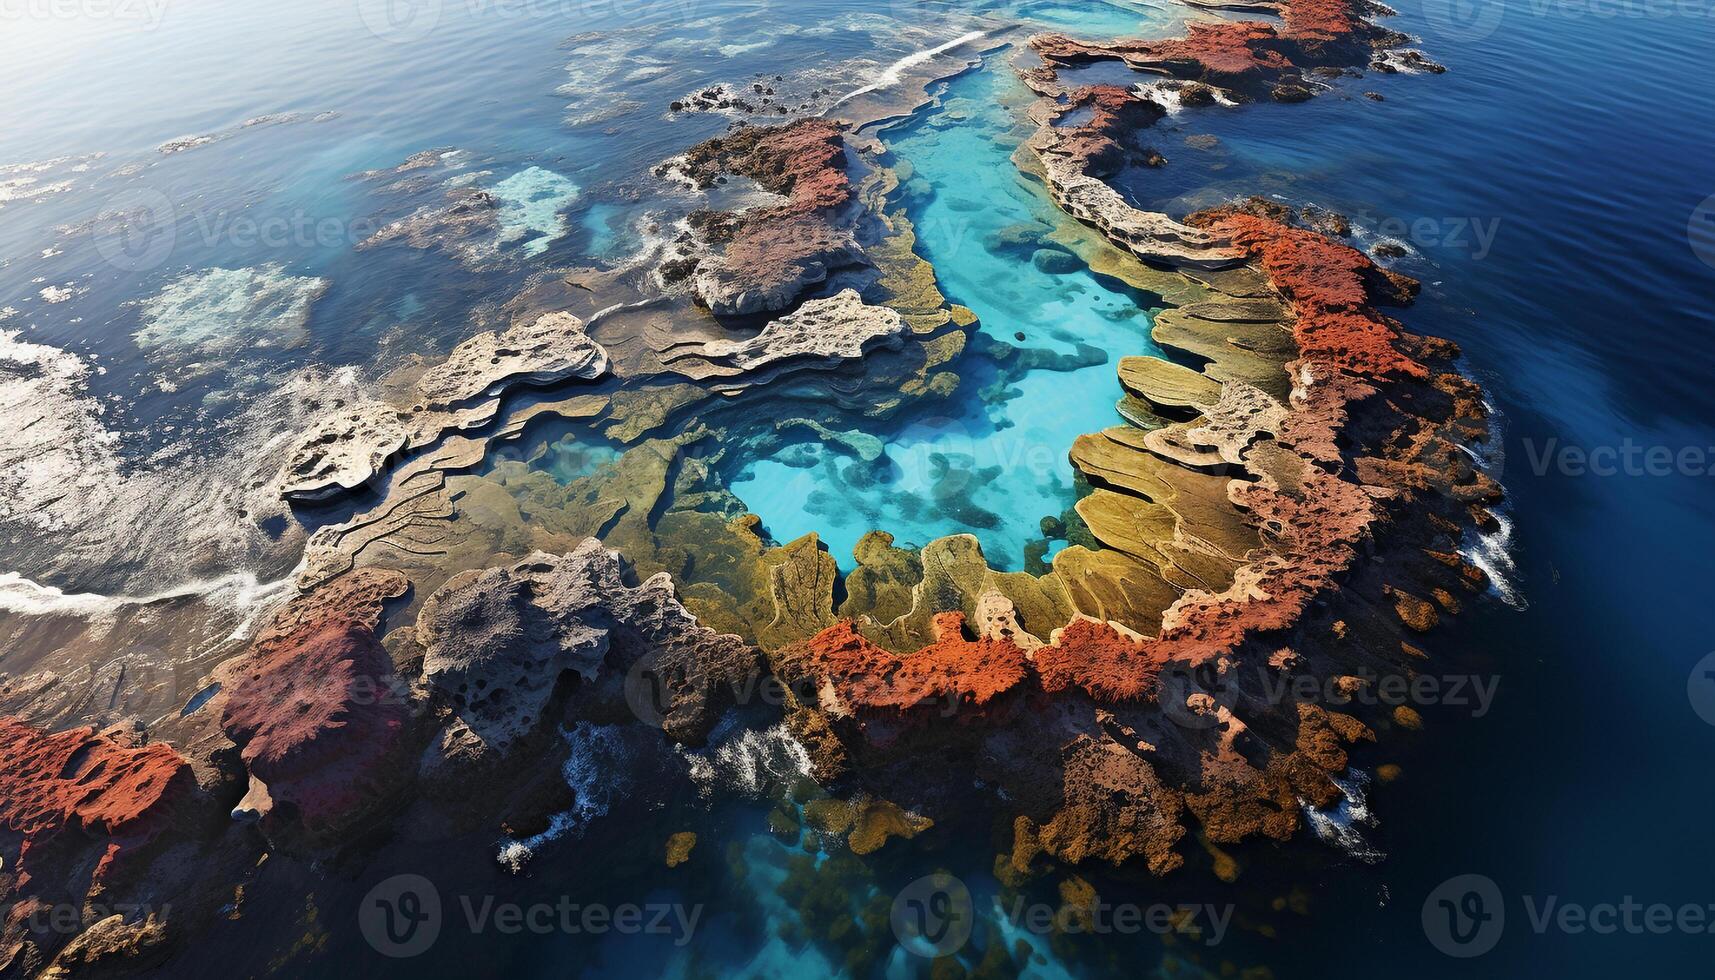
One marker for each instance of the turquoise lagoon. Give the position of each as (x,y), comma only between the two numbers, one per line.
(992,461)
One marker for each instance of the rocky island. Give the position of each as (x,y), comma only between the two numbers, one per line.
(1287,495)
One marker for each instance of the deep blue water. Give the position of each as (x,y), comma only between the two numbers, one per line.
(1552,176)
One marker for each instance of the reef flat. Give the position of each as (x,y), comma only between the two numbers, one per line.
(1286,496)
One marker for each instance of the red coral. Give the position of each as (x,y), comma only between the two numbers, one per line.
(1311,21)
(80,782)
(804,160)
(867,676)
(1224,49)
(1099,145)
(1329,286)
(1098,658)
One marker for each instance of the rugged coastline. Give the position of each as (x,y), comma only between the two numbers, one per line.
(1287,500)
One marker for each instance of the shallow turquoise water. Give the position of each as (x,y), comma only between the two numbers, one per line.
(994,461)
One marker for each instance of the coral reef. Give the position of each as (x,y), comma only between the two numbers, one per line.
(1285,500)
(1245,498)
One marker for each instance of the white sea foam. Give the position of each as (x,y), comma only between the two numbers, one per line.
(76,507)
(734,50)
(29,188)
(228,312)
(239,592)
(1339,826)
(747,760)
(1492,551)
(894,73)
(598,770)
(1166,96)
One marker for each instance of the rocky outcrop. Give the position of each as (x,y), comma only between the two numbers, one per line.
(87,819)
(1152,237)
(1232,514)
(820,333)
(761,259)
(79,790)
(467,223)
(497,642)
(355,446)
(316,708)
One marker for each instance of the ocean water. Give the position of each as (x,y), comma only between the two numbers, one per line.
(1547,187)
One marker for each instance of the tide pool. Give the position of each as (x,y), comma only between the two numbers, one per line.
(1039,373)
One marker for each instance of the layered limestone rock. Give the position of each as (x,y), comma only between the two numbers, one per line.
(1150,236)
(820,333)
(463,392)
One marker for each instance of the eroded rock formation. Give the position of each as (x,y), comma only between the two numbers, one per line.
(462,392)
(1232,514)
(761,259)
